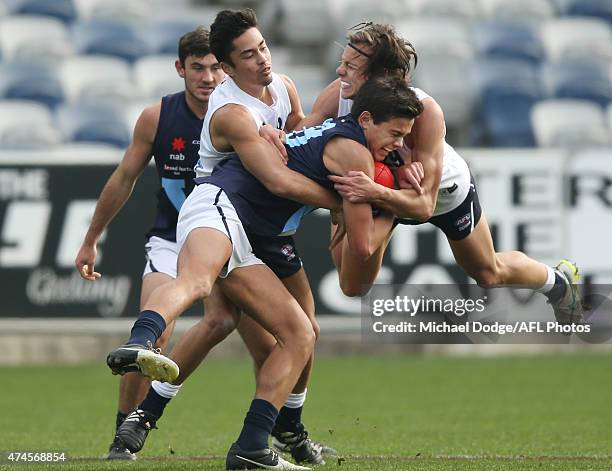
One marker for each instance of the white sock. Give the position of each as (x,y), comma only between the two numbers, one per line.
(166,390)
(294,401)
(550,280)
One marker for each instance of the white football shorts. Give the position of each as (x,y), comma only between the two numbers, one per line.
(209,206)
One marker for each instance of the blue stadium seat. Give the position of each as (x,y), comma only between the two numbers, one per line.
(499,39)
(30,81)
(596,8)
(162,36)
(109,38)
(579,79)
(93,123)
(508,91)
(62,9)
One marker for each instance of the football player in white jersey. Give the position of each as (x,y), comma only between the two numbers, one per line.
(435,185)
(251,96)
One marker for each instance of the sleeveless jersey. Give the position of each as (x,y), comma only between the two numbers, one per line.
(264,213)
(227,92)
(175,149)
(455,182)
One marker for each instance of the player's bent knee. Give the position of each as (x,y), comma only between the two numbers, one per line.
(219,327)
(315,328)
(487,278)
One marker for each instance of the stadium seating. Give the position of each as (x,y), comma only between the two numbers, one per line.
(609,120)
(581,79)
(508,40)
(309,80)
(524,11)
(162,35)
(93,123)
(595,8)
(109,38)
(62,9)
(559,34)
(131,11)
(30,81)
(97,79)
(156,76)
(508,89)
(132,111)
(26,37)
(445,78)
(26,125)
(568,123)
(305,23)
(452,8)
(433,36)
(351,12)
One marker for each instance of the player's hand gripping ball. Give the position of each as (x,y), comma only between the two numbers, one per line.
(383,175)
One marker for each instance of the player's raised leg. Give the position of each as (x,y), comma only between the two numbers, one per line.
(198,269)
(476,255)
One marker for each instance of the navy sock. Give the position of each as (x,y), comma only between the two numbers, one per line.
(154,403)
(288,419)
(558,290)
(148,328)
(258,424)
(120,418)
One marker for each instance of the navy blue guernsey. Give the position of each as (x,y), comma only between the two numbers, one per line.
(175,149)
(263,213)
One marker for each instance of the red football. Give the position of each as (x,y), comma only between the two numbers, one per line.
(383,175)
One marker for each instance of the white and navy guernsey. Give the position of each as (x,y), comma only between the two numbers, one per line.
(264,213)
(175,150)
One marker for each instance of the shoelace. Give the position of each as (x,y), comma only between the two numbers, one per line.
(152,348)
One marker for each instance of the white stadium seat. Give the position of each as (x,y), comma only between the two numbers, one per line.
(25,37)
(156,76)
(97,79)
(519,10)
(559,34)
(457,9)
(568,123)
(26,125)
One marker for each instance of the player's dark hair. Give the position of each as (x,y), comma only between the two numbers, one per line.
(386,98)
(387,52)
(228,25)
(194,43)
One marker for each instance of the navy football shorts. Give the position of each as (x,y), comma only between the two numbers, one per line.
(278,252)
(458,223)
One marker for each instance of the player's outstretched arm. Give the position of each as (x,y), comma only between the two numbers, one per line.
(118,188)
(233,125)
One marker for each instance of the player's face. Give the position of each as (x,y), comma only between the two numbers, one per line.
(386,136)
(351,71)
(201,74)
(251,59)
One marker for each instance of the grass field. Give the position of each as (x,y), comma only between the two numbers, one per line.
(381,413)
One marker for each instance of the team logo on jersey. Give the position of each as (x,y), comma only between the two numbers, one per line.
(288,251)
(178,144)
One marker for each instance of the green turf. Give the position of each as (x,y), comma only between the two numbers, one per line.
(382,413)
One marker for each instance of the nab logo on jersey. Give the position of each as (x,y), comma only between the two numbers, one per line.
(178,145)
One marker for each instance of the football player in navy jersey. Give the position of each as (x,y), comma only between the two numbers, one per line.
(169,132)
